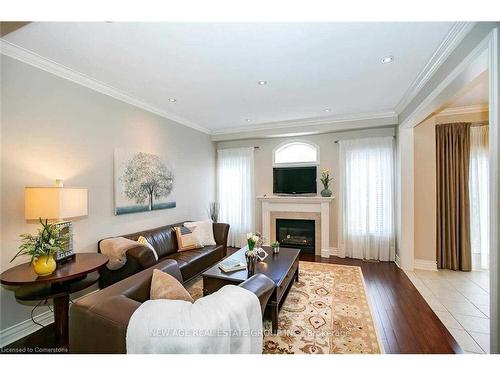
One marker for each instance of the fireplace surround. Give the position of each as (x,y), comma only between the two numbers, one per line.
(300,208)
(296,233)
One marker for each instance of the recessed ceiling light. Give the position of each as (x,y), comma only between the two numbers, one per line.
(172,100)
(387,59)
(327,110)
(247,120)
(262,83)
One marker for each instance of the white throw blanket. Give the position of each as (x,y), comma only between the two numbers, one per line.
(116,250)
(228,321)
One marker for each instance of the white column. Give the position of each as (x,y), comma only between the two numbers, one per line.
(266,222)
(325,229)
(405,188)
(494,79)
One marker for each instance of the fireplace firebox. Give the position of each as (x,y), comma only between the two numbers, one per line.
(296,233)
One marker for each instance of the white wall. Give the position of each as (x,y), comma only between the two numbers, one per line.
(53,128)
(329,158)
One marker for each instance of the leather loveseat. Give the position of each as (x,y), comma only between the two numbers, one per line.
(98,322)
(164,241)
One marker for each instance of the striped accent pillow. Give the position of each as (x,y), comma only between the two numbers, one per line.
(186,239)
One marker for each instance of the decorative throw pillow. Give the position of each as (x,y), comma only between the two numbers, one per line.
(186,239)
(203,230)
(165,286)
(145,242)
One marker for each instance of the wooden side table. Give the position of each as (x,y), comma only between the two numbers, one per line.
(70,277)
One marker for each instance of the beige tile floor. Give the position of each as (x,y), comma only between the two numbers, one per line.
(461,301)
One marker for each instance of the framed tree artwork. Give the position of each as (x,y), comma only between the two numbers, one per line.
(143,182)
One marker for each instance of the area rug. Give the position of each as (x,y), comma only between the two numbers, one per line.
(326,312)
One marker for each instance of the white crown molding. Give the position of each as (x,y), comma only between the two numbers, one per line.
(463,110)
(299,130)
(386,115)
(426,265)
(28,57)
(469,64)
(33,59)
(451,40)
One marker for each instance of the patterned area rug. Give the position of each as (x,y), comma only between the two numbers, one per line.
(326,311)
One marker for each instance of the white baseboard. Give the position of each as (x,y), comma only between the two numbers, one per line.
(334,252)
(397,260)
(325,253)
(27,327)
(426,265)
(331,251)
(22,329)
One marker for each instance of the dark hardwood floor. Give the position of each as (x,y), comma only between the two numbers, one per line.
(405,322)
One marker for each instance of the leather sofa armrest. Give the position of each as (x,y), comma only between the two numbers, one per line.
(262,286)
(221,231)
(143,255)
(171,267)
(136,287)
(101,327)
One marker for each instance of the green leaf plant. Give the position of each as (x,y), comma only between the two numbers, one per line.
(48,241)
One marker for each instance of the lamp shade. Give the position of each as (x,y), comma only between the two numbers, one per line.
(54,202)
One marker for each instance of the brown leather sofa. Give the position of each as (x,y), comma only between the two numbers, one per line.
(98,322)
(164,241)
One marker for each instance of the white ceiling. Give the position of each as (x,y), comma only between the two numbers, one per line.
(212,69)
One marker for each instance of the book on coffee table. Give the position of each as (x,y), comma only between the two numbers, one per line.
(231,265)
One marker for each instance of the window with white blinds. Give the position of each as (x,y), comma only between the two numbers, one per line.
(235,186)
(367,177)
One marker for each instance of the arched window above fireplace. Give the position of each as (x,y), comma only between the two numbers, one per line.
(296,152)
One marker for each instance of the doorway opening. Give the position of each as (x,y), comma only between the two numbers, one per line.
(451,212)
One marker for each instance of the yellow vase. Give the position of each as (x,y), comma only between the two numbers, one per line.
(44,265)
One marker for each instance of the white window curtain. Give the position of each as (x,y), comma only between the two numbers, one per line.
(367,185)
(235,186)
(479,196)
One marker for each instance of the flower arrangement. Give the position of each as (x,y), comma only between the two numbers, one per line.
(47,242)
(42,247)
(325,177)
(251,255)
(254,240)
(325,180)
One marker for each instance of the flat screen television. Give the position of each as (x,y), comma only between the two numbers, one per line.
(294,180)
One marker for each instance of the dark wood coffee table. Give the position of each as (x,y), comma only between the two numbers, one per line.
(282,268)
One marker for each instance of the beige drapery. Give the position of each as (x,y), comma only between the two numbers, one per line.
(453,213)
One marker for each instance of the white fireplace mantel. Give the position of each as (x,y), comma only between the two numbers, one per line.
(298,204)
(294,199)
